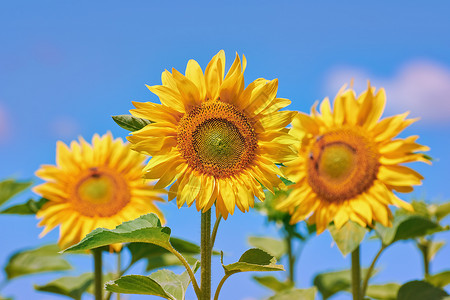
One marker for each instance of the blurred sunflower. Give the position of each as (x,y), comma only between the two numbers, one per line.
(93,186)
(213,139)
(349,163)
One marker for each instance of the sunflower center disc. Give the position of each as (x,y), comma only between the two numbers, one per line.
(218,142)
(216,139)
(97,189)
(100,193)
(337,161)
(342,164)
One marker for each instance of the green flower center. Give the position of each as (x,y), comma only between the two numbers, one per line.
(97,189)
(218,142)
(337,161)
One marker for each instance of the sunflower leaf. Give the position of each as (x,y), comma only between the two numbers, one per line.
(407,227)
(70,286)
(273,283)
(145,229)
(419,290)
(273,246)
(348,237)
(386,291)
(163,283)
(29,208)
(439,280)
(253,260)
(10,187)
(43,259)
(130,123)
(298,294)
(330,283)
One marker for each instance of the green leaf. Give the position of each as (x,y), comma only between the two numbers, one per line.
(44,259)
(163,283)
(131,123)
(442,211)
(440,280)
(273,283)
(29,208)
(11,187)
(420,290)
(406,227)
(145,229)
(386,291)
(297,294)
(433,248)
(253,260)
(332,282)
(276,247)
(70,286)
(348,237)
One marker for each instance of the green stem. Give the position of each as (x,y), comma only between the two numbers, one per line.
(98,284)
(214,232)
(356,275)
(188,269)
(424,248)
(119,270)
(205,245)
(291,257)
(370,270)
(219,287)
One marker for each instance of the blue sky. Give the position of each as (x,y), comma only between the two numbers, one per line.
(66,67)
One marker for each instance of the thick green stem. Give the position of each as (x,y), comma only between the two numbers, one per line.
(205,244)
(291,257)
(98,284)
(369,272)
(356,275)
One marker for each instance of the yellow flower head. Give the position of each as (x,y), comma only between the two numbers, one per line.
(349,163)
(214,140)
(92,186)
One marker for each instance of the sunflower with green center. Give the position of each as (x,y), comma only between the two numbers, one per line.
(92,186)
(349,162)
(213,139)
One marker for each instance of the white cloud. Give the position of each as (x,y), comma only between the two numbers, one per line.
(64,127)
(5,128)
(422,87)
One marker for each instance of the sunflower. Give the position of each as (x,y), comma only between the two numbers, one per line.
(213,140)
(93,186)
(349,163)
